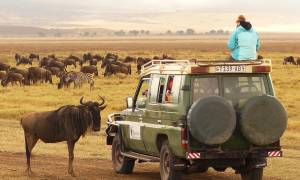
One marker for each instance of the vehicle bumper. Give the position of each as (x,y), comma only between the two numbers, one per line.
(232,155)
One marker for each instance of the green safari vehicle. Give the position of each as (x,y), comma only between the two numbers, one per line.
(193,115)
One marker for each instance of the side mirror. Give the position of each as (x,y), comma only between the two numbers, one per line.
(129,102)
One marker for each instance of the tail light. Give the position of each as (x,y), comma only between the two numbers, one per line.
(261,69)
(184,138)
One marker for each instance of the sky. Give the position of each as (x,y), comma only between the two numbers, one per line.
(153,15)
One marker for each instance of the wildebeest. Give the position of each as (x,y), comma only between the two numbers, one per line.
(24,60)
(4,67)
(2,74)
(69,62)
(93,62)
(34,56)
(290,60)
(52,56)
(57,63)
(12,78)
(129,59)
(76,58)
(36,74)
(90,69)
(17,57)
(109,59)
(298,61)
(67,123)
(78,78)
(115,68)
(24,73)
(55,71)
(87,57)
(98,57)
(126,65)
(140,62)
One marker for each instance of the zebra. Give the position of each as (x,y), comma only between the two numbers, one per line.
(78,78)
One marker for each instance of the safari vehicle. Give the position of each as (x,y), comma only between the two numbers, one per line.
(190,116)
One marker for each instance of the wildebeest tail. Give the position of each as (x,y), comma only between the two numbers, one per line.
(26,148)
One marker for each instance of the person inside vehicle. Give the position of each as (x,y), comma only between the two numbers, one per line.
(244,42)
(169,90)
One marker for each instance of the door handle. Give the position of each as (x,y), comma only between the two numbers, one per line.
(159,121)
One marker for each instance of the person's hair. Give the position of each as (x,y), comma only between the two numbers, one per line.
(241,18)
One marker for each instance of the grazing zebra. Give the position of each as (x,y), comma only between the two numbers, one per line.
(78,78)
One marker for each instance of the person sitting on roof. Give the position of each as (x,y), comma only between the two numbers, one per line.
(244,42)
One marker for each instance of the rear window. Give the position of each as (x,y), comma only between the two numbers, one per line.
(237,90)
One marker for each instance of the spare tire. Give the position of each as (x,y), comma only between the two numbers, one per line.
(263,120)
(211,120)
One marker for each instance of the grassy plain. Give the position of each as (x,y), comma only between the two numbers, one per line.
(16,101)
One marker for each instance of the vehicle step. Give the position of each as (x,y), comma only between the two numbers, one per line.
(141,157)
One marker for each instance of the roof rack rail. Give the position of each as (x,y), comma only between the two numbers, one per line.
(185,66)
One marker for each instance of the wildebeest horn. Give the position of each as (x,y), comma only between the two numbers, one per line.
(103,101)
(81,101)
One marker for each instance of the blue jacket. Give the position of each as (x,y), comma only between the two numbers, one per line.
(244,43)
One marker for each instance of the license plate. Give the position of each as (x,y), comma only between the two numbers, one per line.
(230,69)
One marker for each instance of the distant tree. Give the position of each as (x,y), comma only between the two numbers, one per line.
(86,34)
(94,34)
(227,32)
(190,31)
(180,32)
(120,33)
(142,32)
(220,32)
(134,32)
(147,32)
(169,32)
(57,34)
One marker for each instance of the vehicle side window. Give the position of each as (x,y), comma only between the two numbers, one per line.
(143,94)
(172,89)
(154,89)
(205,86)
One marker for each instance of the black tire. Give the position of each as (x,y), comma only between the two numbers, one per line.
(167,164)
(253,174)
(121,164)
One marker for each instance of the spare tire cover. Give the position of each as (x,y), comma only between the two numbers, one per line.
(211,120)
(263,120)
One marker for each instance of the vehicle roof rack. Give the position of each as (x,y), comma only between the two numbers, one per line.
(187,66)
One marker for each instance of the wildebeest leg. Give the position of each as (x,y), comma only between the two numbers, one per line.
(30,141)
(71,145)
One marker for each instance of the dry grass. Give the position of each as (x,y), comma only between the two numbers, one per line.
(16,101)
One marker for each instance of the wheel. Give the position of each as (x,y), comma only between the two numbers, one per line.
(253,174)
(121,164)
(167,164)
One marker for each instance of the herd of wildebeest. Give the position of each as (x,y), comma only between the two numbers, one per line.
(53,66)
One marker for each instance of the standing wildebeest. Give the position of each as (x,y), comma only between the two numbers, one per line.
(140,62)
(67,123)
(24,60)
(68,62)
(298,61)
(52,56)
(116,68)
(129,59)
(57,63)
(93,62)
(87,57)
(98,57)
(126,65)
(90,69)
(4,67)
(12,78)
(17,57)
(24,73)
(2,74)
(34,56)
(290,60)
(36,74)
(55,71)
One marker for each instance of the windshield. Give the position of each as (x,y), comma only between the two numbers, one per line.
(236,89)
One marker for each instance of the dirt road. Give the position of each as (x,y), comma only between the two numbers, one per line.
(12,166)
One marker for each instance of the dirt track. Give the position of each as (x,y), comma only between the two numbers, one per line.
(12,166)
